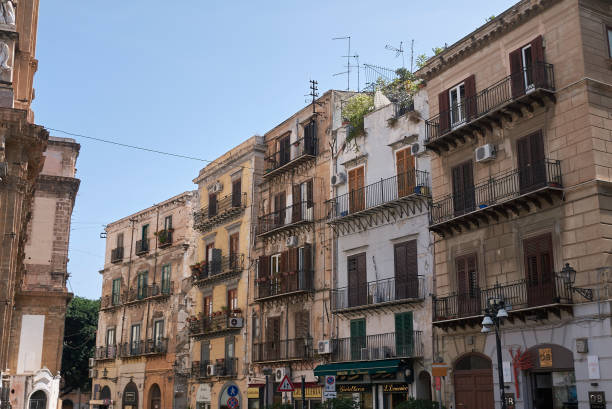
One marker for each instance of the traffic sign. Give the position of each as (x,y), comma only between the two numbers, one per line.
(329,395)
(330,383)
(232,403)
(286,385)
(232,391)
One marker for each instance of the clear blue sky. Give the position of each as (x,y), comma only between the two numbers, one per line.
(198,77)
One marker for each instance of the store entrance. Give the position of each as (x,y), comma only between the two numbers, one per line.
(552,379)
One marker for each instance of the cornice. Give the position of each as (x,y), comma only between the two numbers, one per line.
(58,184)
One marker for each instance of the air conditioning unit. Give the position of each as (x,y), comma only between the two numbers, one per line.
(217,187)
(211,370)
(92,362)
(417,148)
(235,322)
(93,373)
(324,347)
(291,241)
(279,374)
(338,179)
(485,153)
(365,354)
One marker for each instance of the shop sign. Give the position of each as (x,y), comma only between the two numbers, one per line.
(395,387)
(545,357)
(597,400)
(129,397)
(439,369)
(203,393)
(510,401)
(593,365)
(252,393)
(312,392)
(352,388)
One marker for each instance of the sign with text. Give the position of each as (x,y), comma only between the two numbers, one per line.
(395,388)
(593,365)
(507,370)
(329,395)
(312,392)
(353,388)
(546,360)
(597,400)
(510,401)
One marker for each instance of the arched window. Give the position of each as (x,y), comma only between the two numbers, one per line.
(472,361)
(38,400)
(155,397)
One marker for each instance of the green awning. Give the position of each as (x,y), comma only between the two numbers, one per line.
(358,368)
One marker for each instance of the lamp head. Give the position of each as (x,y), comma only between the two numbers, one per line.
(484,329)
(568,274)
(502,313)
(487,322)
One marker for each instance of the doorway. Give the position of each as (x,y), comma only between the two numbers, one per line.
(473,379)
(155,397)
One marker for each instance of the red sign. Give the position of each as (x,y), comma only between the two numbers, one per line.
(232,402)
(286,385)
(438,383)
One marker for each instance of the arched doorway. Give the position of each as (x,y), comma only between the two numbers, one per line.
(473,379)
(423,386)
(38,400)
(552,381)
(130,396)
(155,397)
(105,393)
(67,404)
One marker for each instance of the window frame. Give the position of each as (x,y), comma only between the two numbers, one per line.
(111,330)
(166,274)
(117,294)
(158,336)
(460,103)
(527,69)
(168,222)
(135,343)
(609,40)
(141,284)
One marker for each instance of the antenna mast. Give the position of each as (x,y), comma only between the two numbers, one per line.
(348,57)
(398,51)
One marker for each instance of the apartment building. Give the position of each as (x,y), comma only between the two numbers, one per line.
(520,131)
(289,308)
(218,322)
(380,350)
(142,346)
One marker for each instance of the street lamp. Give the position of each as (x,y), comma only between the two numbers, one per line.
(494,314)
(568,275)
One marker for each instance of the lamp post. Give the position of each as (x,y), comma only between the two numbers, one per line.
(494,313)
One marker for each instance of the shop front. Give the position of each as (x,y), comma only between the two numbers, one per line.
(312,395)
(551,379)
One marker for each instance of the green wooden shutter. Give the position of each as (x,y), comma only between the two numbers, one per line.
(166,279)
(358,338)
(404,342)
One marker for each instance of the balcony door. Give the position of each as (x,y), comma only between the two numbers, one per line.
(158,334)
(272,351)
(358,340)
(135,339)
(404,335)
(468,291)
(280,210)
(539,270)
(284,150)
(236,193)
(456,96)
(527,68)
(463,188)
(405,173)
(356,189)
(406,273)
(531,162)
(357,280)
(234,241)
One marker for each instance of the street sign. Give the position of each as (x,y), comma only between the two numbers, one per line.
(232,403)
(329,395)
(285,385)
(232,391)
(439,369)
(330,383)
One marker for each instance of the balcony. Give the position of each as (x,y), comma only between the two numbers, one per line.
(142,247)
(298,154)
(150,292)
(524,296)
(381,202)
(106,352)
(225,367)
(200,370)
(224,210)
(299,349)
(216,325)
(109,302)
(284,285)
(382,294)
(375,347)
(164,238)
(142,348)
(287,220)
(489,107)
(219,269)
(117,255)
(503,195)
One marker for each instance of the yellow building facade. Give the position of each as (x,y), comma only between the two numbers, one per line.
(218,321)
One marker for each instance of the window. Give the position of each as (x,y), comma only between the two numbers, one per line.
(204,353)
(145,232)
(234,241)
(110,337)
(256,328)
(357,280)
(463,188)
(406,272)
(280,210)
(404,341)
(457,106)
(168,222)
(135,339)
(212,204)
(358,340)
(539,270)
(119,240)
(531,162)
(405,172)
(302,324)
(236,193)
(526,55)
(142,284)
(232,299)
(165,284)
(609,30)
(275,264)
(302,201)
(468,290)
(158,332)
(310,141)
(284,150)
(116,292)
(356,179)
(208,306)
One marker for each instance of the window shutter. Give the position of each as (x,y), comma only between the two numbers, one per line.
(284,261)
(302,324)
(517,81)
(236,193)
(458,193)
(308,261)
(264,266)
(470,97)
(309,193)
(444,109)
(296,205)
(537,54)
(468,185)
(461,276)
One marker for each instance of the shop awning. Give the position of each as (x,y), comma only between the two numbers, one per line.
(358,368)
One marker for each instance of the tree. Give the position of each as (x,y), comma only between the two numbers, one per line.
(79,342)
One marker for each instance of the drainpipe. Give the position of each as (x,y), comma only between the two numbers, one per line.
(146,326)
(132,221)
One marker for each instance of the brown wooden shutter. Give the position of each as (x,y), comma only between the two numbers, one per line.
(405,172)
(302,324)
(296,207)
(273,329)
(236,193)
(284,262)
(308,261)
(264,266)
(469,85)
(531,161)
(461,276)
(541,288)
(444,109)
(406,270)
(309,193)
(517,81)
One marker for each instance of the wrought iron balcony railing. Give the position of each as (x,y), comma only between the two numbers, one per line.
(106,352)
(488,101)
(377,293)
(150,291)
(117,255)
(218,322)
(297,152)
(226,367)
(375,195)
(202,272)
(199,369)
(221,211)
(521,294)
(284,284)
(139,348)
(110,301)
(164,237)
(283,350)
(142,247)
(497,190)
(380,346)
(301,212)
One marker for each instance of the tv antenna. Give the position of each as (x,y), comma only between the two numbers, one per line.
(398,51)
(348,57)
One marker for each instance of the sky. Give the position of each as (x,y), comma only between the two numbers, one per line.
(197,77)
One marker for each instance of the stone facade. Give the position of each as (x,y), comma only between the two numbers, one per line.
(508,225)
(142,344)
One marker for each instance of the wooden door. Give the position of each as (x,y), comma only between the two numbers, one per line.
(296,207)
(468,296)
(356,189)
(357,280)
(404,335)
(212,204)
(280,210)
(234,241)
(272,351)
(531,162)
(463,188)
(236,193)
(405,173)
(474,389)
(406,271)
(358,339)
(539,270)
(284,150)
